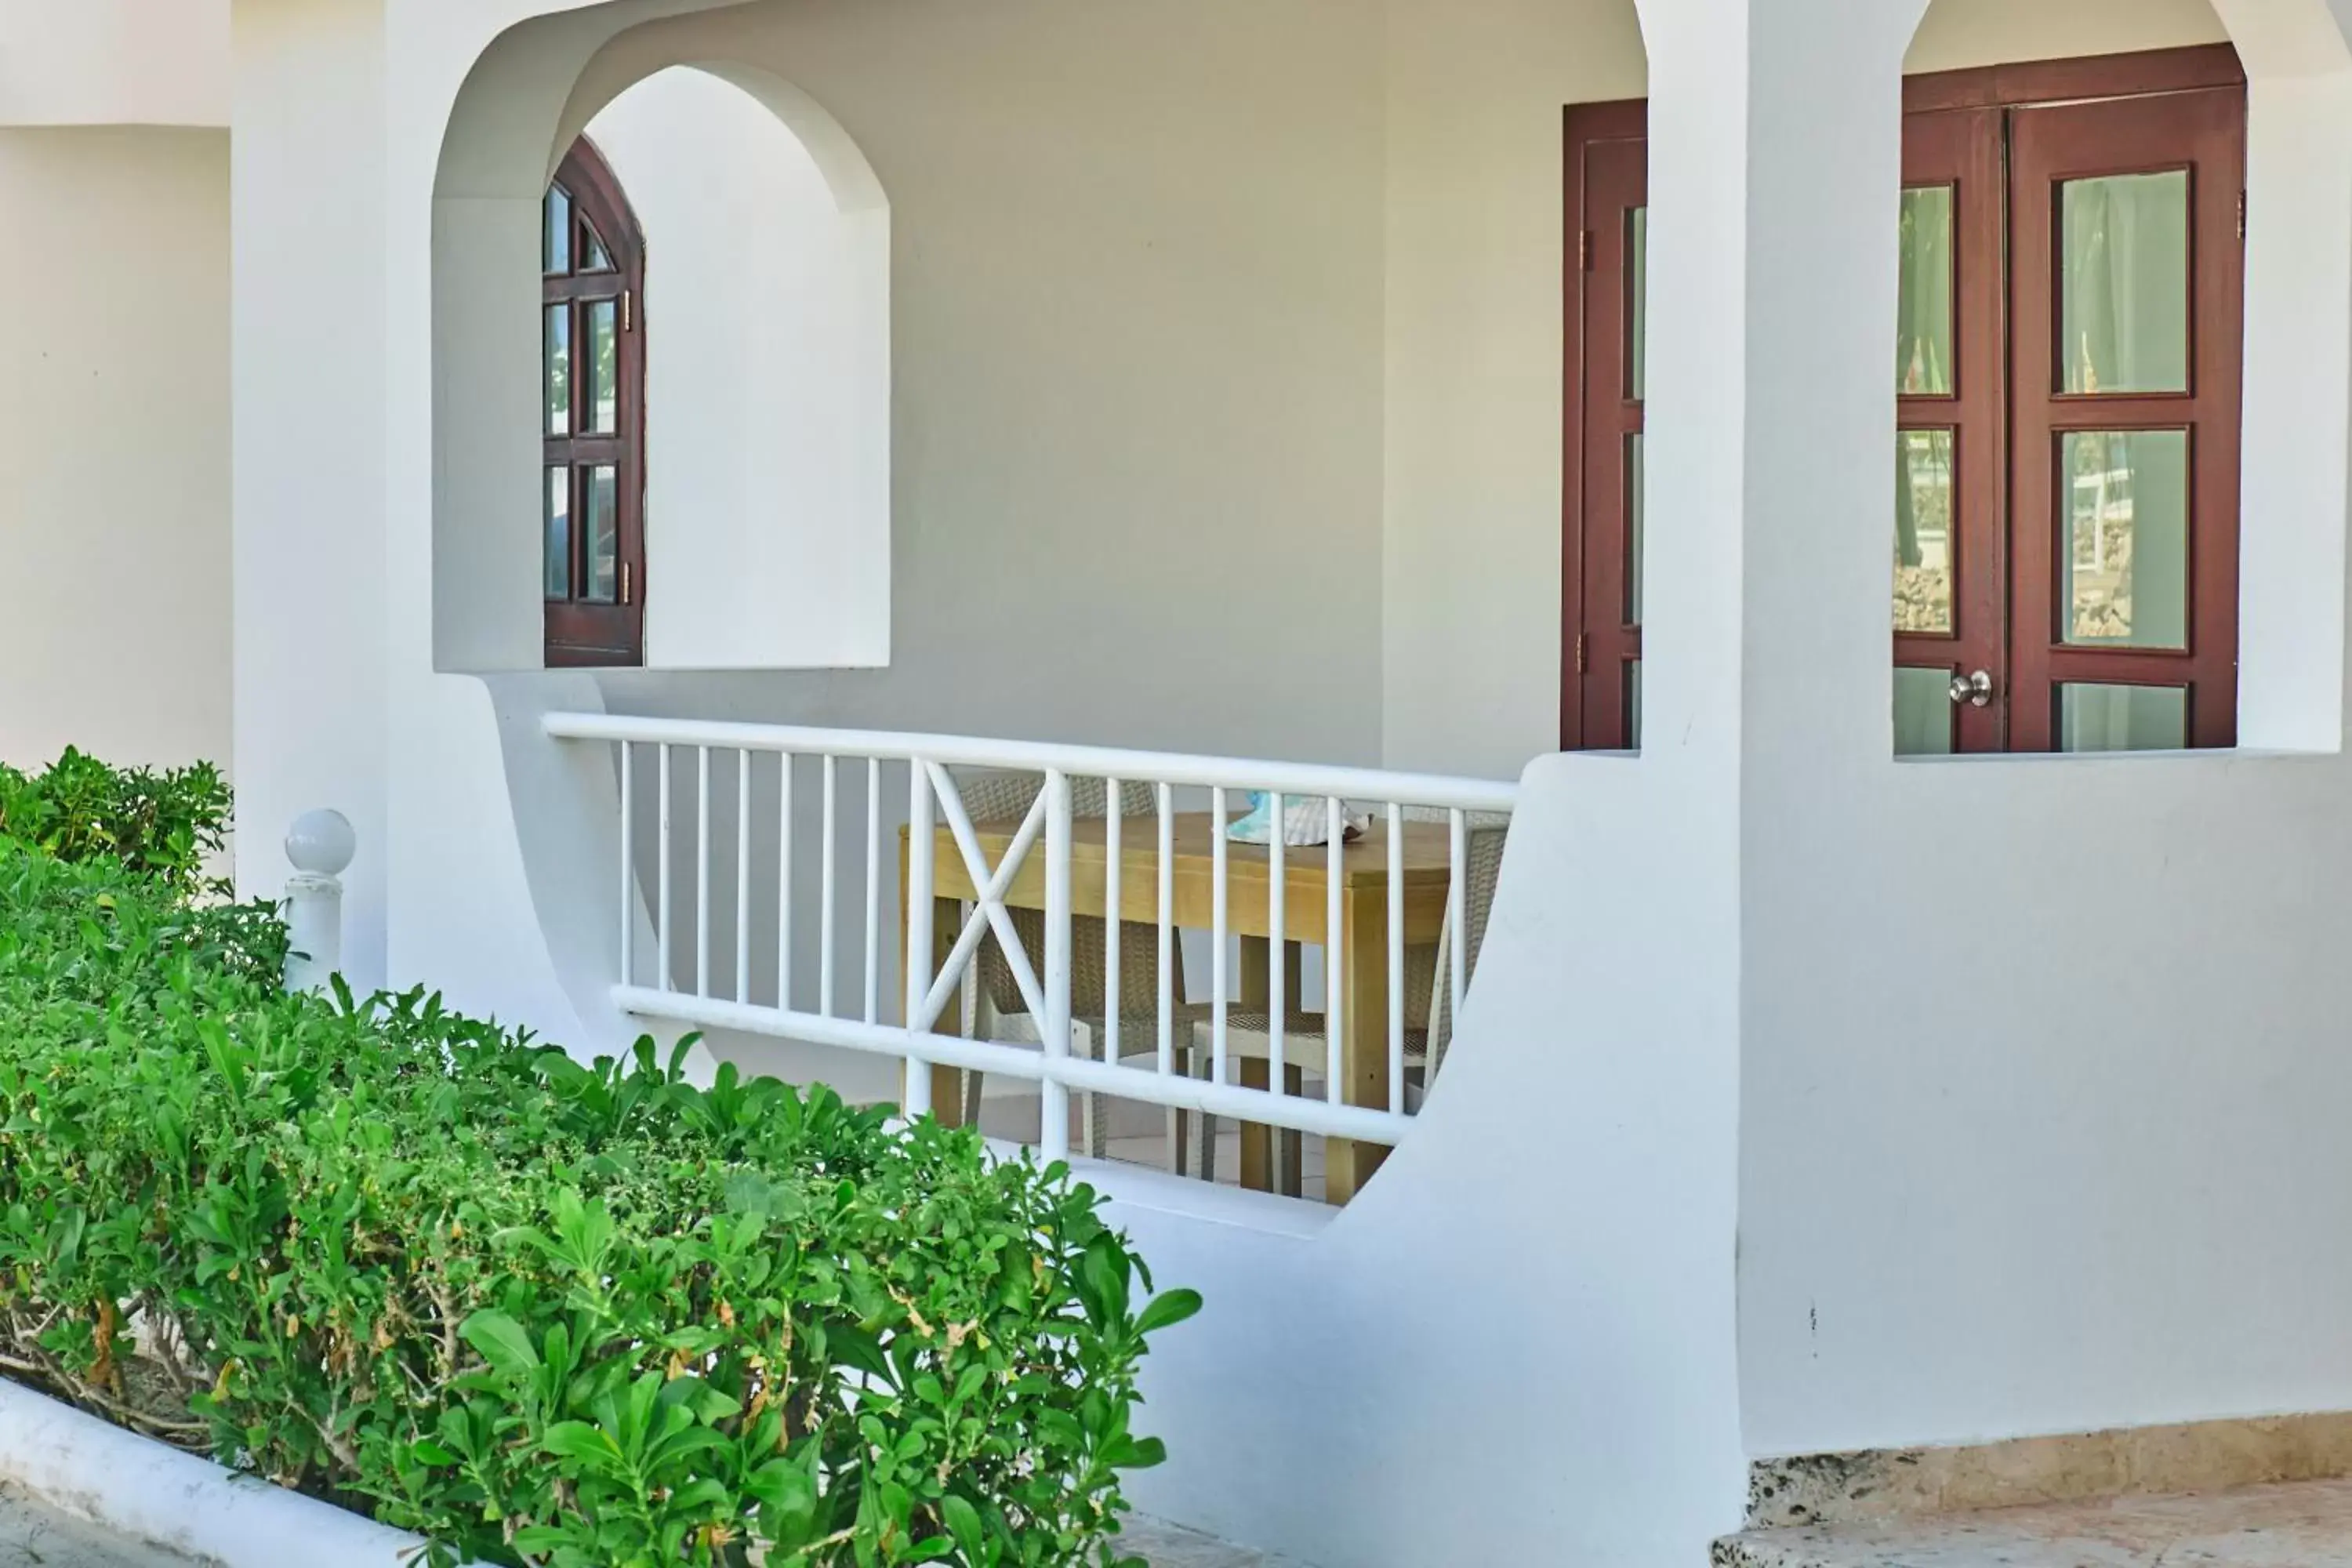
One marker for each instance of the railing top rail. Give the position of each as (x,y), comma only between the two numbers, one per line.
(1087,762)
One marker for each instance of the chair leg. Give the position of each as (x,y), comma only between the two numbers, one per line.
(1092,1133)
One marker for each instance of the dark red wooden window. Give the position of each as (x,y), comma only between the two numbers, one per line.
(593,481)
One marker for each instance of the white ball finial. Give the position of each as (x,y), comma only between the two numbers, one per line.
(321,843)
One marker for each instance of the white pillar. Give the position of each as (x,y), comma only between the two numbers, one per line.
(1775,173)
(2298,377)
(308,350)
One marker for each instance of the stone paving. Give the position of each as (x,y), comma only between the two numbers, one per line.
(32,1536)
(2299,1524)
(1173,1546)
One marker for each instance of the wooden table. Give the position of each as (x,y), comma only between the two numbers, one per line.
(1363,938)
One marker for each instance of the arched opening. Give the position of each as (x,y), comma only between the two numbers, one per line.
(734,512)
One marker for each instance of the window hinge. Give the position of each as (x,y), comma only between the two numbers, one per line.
(1583,652)
(2241,215)
(628,310)
(624,583)
(1584,250)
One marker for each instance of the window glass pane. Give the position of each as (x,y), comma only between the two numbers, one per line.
(601,406)
(2123,283)
(1634,529)
(1637,304)
(1633,704)
(2123,718)
(596,258)
(555,231)
(2125,500)
(556,571)
(1923,531)
(603,528)
(1923,335)
(1923,713)
(557,340)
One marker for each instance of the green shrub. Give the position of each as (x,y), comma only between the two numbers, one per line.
(537,1311)
(161,824)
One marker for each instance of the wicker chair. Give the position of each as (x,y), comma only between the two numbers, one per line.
(1002,797)
(1428,1003)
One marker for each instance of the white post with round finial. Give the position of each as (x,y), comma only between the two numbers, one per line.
(321,843)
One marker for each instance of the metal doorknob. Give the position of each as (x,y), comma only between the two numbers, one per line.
(1975,689)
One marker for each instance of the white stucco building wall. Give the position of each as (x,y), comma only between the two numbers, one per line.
(114,484)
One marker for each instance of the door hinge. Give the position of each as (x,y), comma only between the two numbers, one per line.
(2241,215)
(626,585)
(628,310)
(1583,652)
(1584,250)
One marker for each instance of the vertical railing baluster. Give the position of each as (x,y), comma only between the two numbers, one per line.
(1164,802)
(702,871)
(1165,797)
(1054,1108)
(1218,979)
(873,890)
(1112,833)
(919,884)
(1396,958)
(1277,983)
(1457,906)
(1334,954)
(661,898)
(743,875)
(628,876)
(826,855)
(784,881)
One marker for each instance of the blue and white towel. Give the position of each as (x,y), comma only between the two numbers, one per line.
(1305,821)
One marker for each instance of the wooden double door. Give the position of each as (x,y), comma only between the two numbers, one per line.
(2064,507)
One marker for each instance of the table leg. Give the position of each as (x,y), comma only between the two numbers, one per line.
(947,920)
(1256,992)
(1364,1042)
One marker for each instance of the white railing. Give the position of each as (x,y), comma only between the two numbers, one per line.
(1404,879)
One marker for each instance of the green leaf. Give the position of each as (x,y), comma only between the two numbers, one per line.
(962,1521)
(1167,1309)
(502,1342)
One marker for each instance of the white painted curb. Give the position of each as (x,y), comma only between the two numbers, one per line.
(154,1494)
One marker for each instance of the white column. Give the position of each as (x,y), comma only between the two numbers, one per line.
(308,346)
(2298,376)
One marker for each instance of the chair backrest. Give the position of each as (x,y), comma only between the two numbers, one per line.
(1483,869)
(1006,797)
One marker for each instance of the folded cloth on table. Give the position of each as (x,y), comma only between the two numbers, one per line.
(1305,821)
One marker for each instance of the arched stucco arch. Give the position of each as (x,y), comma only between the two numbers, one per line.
(528,97)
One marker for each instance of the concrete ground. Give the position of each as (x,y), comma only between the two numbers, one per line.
(32,1536)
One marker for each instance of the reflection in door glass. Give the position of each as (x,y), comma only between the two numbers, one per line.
(556,341)
(2123,287)
(2126,503)
(601,406)
(1923,331)
(556,558)
(1923,713)
(1633,528)
(1637,307)
(603,532)
(1923,531)
(2123,718)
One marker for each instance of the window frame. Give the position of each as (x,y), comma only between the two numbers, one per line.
(582,631)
